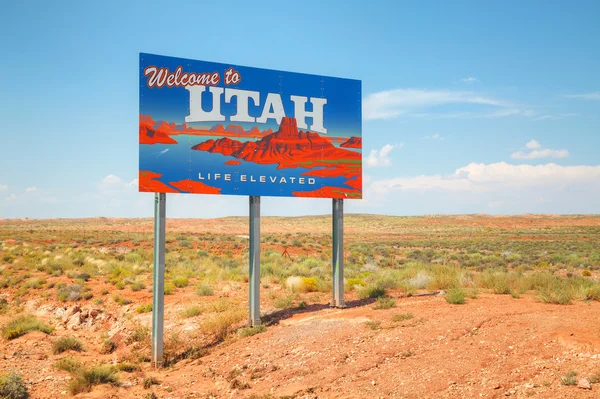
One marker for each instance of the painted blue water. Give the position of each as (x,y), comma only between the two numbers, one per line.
(180,162)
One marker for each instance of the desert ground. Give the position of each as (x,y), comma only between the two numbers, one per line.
(438,307)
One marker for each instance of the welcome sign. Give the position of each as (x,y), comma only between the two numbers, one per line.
(211,128)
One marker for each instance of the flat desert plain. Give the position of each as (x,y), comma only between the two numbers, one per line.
(437,307)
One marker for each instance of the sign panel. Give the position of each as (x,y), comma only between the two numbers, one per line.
(210,128)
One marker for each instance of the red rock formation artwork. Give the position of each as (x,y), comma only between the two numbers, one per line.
(352,142)
(148,183)
(195,187)
(233,162)
(150,135)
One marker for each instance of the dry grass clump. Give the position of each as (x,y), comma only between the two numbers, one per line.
(221,324)
(87,378)
(22,325)
(65,344)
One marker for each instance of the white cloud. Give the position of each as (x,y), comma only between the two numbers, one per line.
(537,152)
(494,177)
(30,189)
(586,96)
(434,137)
(10,198)
(3,187)
(380,157)
(113,184)
(393,103)
(470,80)
(533,145)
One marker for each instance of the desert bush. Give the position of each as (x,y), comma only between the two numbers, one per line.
(354,282)
(373,325)
(402,317)
(137,286)
(586,273)
(569,379)
(127,367)
(221,324)
(109,346)
(250,331)
(181,282)
(384,303)
(370,291)
(35,283)
(3,305)
(204,290)
(147,308)
(69,293)
(86,379)
(22,325)
(191,311)
(13,387)
(67,364)
(169,288)
(149,381)
(284,302)
(65,344)
(455,296)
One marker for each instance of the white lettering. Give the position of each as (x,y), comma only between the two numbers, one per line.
(311,181)
(300,113)
(282,180)
(197,113)
(292,179)
(243,97)
(273,179)
(227,177)
(301,180)
(243,178)
(252,180)
(217,176)
(263,179)
(273,101)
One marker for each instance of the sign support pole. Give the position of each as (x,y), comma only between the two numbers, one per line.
(254,262)
(338,254)
(158,282)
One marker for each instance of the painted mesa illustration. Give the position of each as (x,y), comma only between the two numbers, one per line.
(207,128)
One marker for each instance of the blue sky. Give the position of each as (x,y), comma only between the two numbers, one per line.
(468,107)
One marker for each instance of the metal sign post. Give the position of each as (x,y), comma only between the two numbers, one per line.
(254,262)
(158,284)
(338,254)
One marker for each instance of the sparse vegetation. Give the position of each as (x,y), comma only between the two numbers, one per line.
(68,364)
(65,344)
(569,379)
(13,387)
(250,331)
(149,381)
(384,303)
(87,378)
(402,317)
(22,325)
(455,296)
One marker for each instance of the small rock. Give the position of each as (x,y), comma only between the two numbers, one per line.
(373,382)
(584,383)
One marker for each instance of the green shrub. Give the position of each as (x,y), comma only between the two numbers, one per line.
(23,324)
(192,311)
(137,286)
(149,381)
(455,296)
(147,308)
(181,282)
(127,367)
(68,364)
(69,293)
(402,317)
(250,331)
(384,303)
(309,284)
(65,344)
(169,288)
(569,379)
(284,302)
(204,290)
(86,379)
(371,291)
(354,282)
(109,346)
(12,387)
